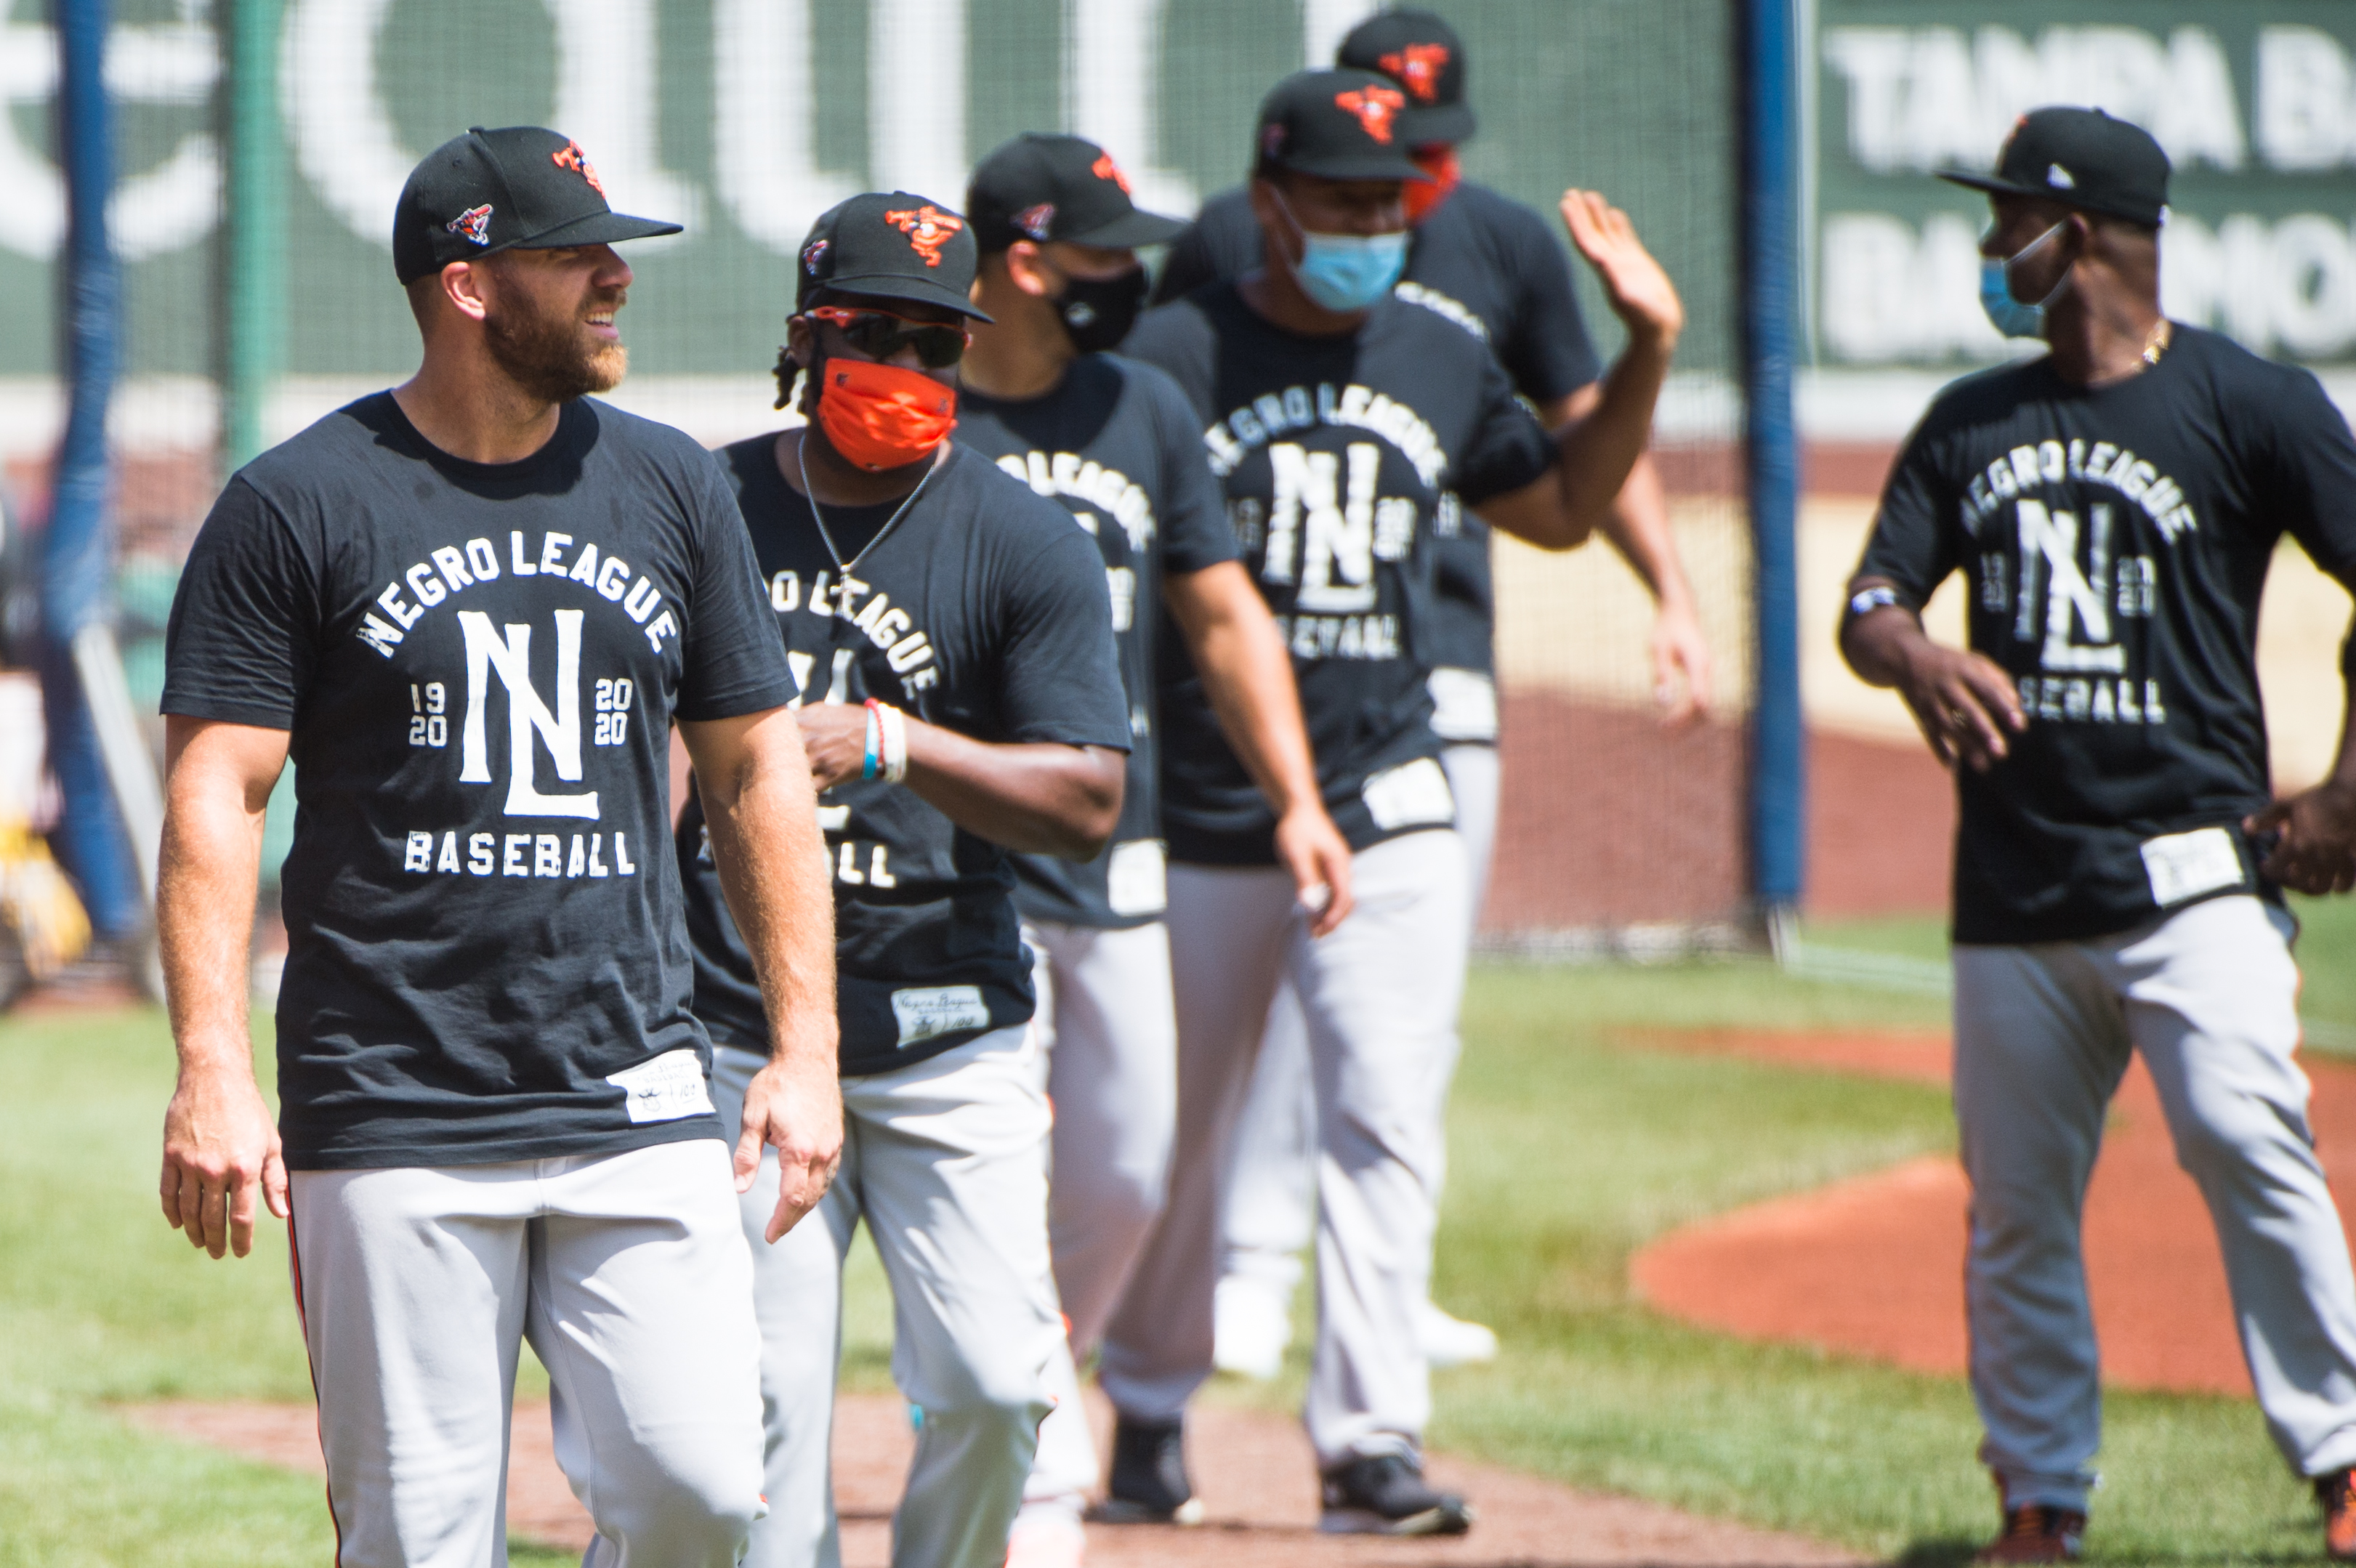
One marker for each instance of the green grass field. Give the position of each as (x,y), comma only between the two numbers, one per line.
(1571,1148)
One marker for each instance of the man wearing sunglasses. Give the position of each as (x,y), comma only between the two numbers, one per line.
(962,696)
(1116,443)
(1349,429)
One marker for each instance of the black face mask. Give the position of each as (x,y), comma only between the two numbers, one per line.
(1097,313)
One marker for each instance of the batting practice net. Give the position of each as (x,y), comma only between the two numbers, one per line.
(260,147)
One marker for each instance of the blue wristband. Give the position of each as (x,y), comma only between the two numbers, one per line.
(873,762)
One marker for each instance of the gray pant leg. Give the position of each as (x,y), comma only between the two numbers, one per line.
(641,1312)
(1269,1207)
(797,1301)
(1230,931)
(1380,994)
(2212,1003)
(413,1404)
(954,1189)
(1475,777)
(1108,1055)
(2040,1048)
(1111,1058)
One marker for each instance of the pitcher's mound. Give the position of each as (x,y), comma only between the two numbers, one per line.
(1255,1472)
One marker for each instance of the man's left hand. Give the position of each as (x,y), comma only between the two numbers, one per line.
(1311,847)
(794,1104)
(835,736)
(1681,664)
(2316,852)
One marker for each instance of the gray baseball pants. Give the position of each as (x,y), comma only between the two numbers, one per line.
(1379,995)
(2042,1036)
(628,1275)
(1107,1061)
(942,1161)
(1270,1208)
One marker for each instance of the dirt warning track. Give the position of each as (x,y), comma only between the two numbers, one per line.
(1874,1265)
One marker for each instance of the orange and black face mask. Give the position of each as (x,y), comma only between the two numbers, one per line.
(1423,197)
(882,417)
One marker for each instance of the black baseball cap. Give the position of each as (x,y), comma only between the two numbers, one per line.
(519,188)
(894,245)
(1425,57)
(1337,125)
(2081,158)
(1041,187)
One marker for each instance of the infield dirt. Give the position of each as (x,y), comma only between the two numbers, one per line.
(1255,1473)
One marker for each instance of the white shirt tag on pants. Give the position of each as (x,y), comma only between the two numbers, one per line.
(1413,794)
(664,1090)
(927,1012)
(1137,878)
(2186,865)
(1463,704)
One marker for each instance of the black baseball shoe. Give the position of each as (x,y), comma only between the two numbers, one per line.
(1149,1483)
(1385,1495)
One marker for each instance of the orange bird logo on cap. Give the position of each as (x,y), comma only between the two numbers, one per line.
(1419,66)
(1104,168)
(1376,109)
(927,230)
(571,156)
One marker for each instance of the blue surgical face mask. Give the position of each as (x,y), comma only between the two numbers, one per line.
(1347,272)
(2005,313)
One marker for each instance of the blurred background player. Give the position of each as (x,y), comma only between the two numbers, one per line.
(495,1117)
(1493,267)
(2115,505)
(1346,427)
(962,696)
(1115,442)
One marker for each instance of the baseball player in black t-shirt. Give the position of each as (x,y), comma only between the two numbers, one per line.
(1490,265)
(470,609)
(1115,442)
(1347,428)
(952,637)
(2113,506)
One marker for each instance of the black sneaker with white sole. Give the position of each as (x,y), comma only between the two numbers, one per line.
(1387,1494)
(1149,1483)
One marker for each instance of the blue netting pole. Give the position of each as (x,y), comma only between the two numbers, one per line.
(78,556)
(1770,296)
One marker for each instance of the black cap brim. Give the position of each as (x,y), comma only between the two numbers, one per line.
(1131,230)
(596,228)
(1996,185)
(1356,166)
(1450,123)
(899,286)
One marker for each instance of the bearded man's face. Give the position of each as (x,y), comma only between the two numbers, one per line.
(550,321)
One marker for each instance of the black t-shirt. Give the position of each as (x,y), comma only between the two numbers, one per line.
(1116,444)
(1341,458)
(983,611)
(1495,269)
(2115,540)
(480,666)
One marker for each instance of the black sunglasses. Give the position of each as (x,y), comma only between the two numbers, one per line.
(880,334)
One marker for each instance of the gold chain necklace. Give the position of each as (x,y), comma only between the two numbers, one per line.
(2156,341)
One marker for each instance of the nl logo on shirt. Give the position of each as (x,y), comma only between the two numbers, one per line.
(498,660)
(2072,570)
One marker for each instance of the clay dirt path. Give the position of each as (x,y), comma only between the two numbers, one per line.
(1254,1472)
(1874,1264)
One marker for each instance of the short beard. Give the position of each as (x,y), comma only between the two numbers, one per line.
(543,355)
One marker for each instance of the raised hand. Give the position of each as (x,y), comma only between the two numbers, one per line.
(1640,292)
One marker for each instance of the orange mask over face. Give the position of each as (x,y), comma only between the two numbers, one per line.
(881,416)
(1423,197)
